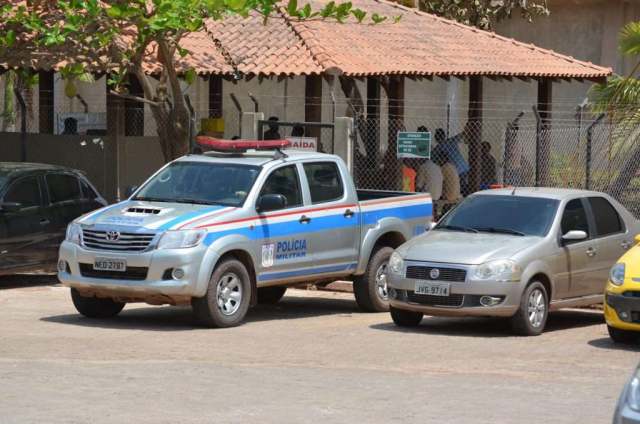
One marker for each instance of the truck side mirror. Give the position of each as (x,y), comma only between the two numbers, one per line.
(129,191)
(11,207)
(271,202)
(574,235)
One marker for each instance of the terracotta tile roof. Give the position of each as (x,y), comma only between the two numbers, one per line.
(420,44)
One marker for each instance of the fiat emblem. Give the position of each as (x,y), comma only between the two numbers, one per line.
(113,235)
(435,273)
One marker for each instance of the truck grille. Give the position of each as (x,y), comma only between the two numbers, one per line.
(126,242)
(452,301)
(420,272)
(132,273)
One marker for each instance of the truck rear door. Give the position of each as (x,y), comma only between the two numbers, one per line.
(336,220)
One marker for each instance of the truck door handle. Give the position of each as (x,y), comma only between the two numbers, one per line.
(349,213)
(304,219)
(44,222)
(591,252)
(625,245)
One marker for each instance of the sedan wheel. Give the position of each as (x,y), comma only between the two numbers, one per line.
(537,308)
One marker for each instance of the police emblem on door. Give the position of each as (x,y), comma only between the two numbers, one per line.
(267,255)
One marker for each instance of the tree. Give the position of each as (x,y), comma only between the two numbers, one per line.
(480,13)
(117,37)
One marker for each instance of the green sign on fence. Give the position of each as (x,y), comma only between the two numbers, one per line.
(414,145)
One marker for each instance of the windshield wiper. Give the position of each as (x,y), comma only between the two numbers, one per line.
(152,199)
(501,230)
(457,228)
(194,201)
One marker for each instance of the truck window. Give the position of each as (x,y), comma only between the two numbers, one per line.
(607,219)
(63,188)
(284,181)
(25,191)
(325,183)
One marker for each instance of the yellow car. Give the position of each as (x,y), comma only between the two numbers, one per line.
(622,298)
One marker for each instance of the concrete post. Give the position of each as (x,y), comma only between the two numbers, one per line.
(344,141)
(250,125)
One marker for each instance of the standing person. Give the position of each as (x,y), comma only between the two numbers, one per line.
(272,133)
(430,179)
(451,146)
(487,165)
(450,177)
(408,177)
(70,126)
(297,131)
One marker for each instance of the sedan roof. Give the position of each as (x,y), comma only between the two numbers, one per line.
(544,192)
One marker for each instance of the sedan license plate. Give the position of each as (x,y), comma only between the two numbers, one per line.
(110,264)
(432,289)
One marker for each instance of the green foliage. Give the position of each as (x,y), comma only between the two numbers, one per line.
(480,13)
(629,38)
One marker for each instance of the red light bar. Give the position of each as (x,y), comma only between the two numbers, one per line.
(239,146)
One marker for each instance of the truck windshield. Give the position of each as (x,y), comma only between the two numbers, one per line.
(515,215)
(201,183)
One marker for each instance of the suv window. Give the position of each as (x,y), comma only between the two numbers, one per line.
(284,181)
(63,188)
(325,183)
(87,191)
(607,219)
(574,218)
(25,191)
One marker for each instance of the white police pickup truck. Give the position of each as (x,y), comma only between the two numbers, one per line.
(227,229)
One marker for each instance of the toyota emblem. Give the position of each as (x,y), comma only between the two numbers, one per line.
(113,235)
(435,273)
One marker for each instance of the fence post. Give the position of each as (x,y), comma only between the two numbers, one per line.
(23,125)
(510,132)
(256,109)
(240,112)
(449,115)
(538,142)
(354,147)
(192,123)
(333,119)
(587,182)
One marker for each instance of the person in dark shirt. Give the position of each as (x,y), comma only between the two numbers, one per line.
(487,164)
(297,131)
(272,133)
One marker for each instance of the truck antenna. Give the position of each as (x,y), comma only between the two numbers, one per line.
(280,154)
(514,191)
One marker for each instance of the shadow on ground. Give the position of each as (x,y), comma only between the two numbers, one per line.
(495,327)
(169,318)
(607,343)
(27,280)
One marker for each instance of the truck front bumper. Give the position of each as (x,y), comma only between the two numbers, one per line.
(148,276)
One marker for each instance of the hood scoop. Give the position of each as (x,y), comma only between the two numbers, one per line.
(143,210)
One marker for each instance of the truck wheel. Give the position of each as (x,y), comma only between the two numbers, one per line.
(95,307)
(227,299)
(623,336)
(531,316)
(404,318)
(370,289)
(268,295)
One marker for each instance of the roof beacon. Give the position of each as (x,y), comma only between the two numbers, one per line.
(210,144)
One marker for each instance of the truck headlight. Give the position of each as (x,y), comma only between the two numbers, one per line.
(73,233)
(617,274)
(499,267)
(181,239)
(396,262)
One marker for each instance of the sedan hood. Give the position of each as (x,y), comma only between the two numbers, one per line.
(464,248)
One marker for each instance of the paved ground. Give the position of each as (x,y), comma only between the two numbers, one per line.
(311,358)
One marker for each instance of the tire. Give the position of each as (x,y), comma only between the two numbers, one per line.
(532,314)
(404,318)
(270,295)
(623,336)
(95,307)
(228,296)
(370,291)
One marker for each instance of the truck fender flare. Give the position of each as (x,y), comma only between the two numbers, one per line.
(374,234)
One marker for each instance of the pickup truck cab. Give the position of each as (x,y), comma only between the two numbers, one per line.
(223,231)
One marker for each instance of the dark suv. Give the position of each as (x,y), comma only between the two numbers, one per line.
(36,204)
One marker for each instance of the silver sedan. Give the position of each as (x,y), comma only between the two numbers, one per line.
(515,253)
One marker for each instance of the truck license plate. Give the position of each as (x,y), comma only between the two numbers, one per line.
(110,264)
(432,289)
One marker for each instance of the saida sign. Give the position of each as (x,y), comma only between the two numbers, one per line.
(414,145)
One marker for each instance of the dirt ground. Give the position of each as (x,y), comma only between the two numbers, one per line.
(313,357)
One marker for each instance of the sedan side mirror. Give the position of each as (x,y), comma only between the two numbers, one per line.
(271,202)
(11,207)
(574,235)
(129,191)
(431,226)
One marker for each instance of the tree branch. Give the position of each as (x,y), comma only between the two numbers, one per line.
(170,69)
(136,98)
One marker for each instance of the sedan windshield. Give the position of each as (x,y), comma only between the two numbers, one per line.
(514,215)
(203,183)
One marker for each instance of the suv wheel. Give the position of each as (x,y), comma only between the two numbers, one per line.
(531,316)
(404,318)
(95,307)
(227,299)
(268,295)
(623,336)
(370,289)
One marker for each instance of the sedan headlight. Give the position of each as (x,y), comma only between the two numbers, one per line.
(396,262)
(73,233)
(617,274)
(181,239)
(633,391)
(500,267)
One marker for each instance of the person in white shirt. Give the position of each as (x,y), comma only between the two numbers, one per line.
(429,179)
(450,177)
